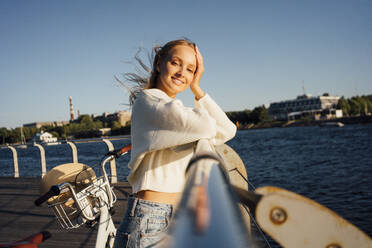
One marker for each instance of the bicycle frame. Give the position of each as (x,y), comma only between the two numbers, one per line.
(90,205)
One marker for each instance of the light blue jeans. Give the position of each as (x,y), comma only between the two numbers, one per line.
(144,224)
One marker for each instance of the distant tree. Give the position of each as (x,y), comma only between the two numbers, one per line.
(4,133)
(59,131)
(84,118)
(344,106)
(115,125)
(355,107)
(369,106)
(27,133)
(121,131)
(55,134)
(259,114)
(369,97)
(14,136)
(363,106)
(86,122)
(239,116)
(72,128)
(65,133)
(98,125)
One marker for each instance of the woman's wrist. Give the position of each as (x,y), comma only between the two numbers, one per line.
(198,93)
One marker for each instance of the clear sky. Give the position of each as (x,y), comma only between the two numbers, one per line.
(255,52)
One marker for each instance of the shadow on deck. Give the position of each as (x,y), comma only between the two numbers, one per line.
(19,217)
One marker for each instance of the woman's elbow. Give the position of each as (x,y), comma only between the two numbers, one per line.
(230,132)
(225,134)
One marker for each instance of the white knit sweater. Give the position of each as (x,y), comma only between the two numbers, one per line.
(163,136)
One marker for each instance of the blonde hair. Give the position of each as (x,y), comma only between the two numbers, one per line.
(147,77)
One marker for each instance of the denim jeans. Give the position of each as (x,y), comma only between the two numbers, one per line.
(144,224)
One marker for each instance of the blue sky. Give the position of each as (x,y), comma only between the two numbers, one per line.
(255,52)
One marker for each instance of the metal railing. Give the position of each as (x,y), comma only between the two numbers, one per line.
(208,214)
(72,145)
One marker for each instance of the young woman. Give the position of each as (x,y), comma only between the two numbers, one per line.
(163,136)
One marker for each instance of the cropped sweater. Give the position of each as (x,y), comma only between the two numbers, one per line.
(163,136)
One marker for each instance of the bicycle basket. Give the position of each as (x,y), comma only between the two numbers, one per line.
(75,204)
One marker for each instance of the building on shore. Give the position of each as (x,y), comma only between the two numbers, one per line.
(123,117)
(322,107)
(46,123)
(44,137)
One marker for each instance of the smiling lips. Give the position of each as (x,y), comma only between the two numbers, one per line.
(177,81)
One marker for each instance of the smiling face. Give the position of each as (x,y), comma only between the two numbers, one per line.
(176,70)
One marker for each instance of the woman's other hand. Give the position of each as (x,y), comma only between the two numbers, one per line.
(195,85)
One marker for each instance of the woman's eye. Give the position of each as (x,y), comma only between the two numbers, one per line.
(174,63)
(190,70)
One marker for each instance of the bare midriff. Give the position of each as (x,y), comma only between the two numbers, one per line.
(161,197)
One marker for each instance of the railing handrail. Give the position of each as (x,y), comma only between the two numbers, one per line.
(208,210)
(71,143)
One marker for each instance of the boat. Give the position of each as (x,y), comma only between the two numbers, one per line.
(331,124)
(51,143)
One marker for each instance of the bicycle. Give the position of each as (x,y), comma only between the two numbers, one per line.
(77,197)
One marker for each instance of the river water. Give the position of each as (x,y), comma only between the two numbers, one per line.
(330,165)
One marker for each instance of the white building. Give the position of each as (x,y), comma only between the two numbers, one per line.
(44,137)
(316,107)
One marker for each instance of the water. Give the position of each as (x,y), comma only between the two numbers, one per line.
(332,166)
(88,153)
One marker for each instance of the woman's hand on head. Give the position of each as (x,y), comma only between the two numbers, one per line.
(195,84)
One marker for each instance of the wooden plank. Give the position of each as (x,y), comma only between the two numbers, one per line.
(19,217)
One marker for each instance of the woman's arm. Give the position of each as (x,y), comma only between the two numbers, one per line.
(162,124)
(225,129)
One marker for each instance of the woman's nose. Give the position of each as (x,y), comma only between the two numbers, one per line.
(180,71)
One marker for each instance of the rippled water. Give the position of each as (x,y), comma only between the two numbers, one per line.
(332,166)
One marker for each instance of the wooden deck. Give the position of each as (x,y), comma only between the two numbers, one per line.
(19,217)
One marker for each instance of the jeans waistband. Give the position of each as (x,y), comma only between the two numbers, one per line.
(134,201)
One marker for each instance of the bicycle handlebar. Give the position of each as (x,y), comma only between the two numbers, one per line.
(119,152)
(54,190)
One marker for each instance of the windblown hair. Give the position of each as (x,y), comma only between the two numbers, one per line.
(146,77)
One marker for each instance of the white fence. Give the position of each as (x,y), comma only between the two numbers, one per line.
(72,145)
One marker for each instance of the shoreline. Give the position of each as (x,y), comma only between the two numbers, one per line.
(262,125)
(307,123)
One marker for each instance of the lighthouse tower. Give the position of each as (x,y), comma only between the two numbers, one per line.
(71,110)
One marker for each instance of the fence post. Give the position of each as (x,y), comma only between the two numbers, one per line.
(114,177)
(42,159)
(15,161)
(74,152)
